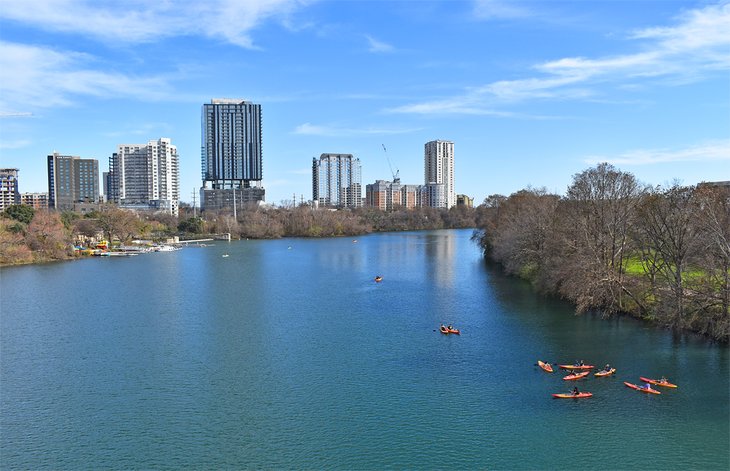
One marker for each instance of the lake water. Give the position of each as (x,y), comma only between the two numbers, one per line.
(287,355)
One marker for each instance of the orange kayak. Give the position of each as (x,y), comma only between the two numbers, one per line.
(572,396)
(658,382)
(605,373)
(575,376)
(446,330)
(545,366)
(639,388)
(577,367)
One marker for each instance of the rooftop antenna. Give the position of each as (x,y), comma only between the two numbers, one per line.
(396,178)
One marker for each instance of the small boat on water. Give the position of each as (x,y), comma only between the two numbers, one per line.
(577,367)
(545,366)
(166,248)
(572,396)
(642,389)
(378,279)
(449,330)
(575,376)
(224,255)
(658,382)
(603,373)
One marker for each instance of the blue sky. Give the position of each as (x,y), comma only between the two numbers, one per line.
(530,92)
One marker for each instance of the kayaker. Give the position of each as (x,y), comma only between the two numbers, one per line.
(450,327)
(607,368)
(664,380)
(647,386)
(575,391)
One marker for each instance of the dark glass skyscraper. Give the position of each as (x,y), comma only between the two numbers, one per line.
(72,180)
(231,153)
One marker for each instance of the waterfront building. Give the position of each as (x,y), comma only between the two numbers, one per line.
(35,200)
(384,195)
(9,193)
(410,196)
(105,180)
(387,196)
(72,180)
(376,195)
(464,200)
(719,184)
(433,195)
(231,155)
(145,177)
(439,168)
(336,181)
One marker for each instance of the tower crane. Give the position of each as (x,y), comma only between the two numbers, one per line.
(396,177)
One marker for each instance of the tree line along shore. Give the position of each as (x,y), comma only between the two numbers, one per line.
(610,244)
(615,245)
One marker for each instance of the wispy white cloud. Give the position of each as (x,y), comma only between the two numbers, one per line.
(15,114)
(301,171)
(378,46)
(143,129)
(696,46)
(139,21)
(499,9)
(44,77)
(308,129)
(14,144)
(712,151)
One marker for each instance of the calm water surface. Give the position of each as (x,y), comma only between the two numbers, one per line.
(286,355)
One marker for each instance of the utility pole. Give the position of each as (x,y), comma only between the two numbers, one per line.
(193,202)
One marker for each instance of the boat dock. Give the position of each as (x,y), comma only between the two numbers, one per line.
(195,241)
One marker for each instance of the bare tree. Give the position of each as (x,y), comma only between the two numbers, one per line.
(48,236)
(667,228)
(601,203)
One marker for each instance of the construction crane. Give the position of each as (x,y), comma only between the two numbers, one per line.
(396,177)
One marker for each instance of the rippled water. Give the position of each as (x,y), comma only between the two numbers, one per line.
(286,355)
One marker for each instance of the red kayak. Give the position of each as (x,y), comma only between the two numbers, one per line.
(572,396)
(639,388)
(575,376)
(446,330)
(576,367)
(658,382)
(545,366)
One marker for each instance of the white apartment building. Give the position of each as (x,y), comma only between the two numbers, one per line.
(9,194)
(439,168)
(337,181)
(145,176)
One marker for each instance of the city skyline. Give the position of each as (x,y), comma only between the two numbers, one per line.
(531,93)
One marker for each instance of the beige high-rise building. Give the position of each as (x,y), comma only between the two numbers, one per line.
(145,176)
(438,167)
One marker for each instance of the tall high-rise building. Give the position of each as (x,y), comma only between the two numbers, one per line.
(439,168)
(231,157)
(145,176)
(337,181)
(72,180)
(9,193)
